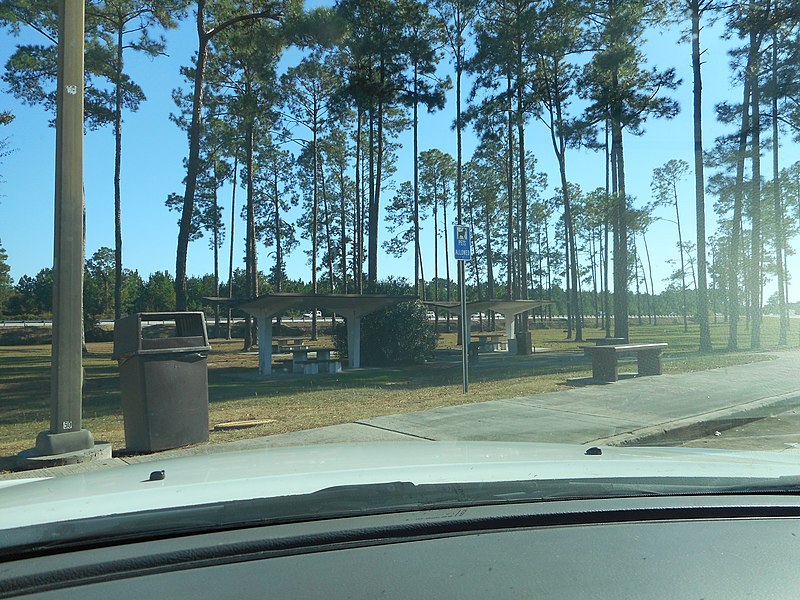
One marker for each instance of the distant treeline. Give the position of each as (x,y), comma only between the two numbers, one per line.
(32,296)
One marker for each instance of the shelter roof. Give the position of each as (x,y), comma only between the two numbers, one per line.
(504,307)
(355,304)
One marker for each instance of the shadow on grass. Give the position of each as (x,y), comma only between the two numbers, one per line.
(226,383)
(26,389)
(22,366)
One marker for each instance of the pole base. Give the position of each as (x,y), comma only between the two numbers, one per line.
(48,443)
(34,459)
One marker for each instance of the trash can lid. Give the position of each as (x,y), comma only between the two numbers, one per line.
(175,332)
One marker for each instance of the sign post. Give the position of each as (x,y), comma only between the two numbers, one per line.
(462,237)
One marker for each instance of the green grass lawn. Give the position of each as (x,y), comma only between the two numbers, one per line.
(295,402)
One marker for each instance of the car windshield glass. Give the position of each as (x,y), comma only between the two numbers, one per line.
(438,242)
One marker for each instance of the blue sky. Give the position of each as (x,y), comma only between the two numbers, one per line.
(154,148)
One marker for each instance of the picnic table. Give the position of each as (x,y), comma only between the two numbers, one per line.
(605,359)
(322,361)
(285,345)
(490,341)
(487,342)
(289,341)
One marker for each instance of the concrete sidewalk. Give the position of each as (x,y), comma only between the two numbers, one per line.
(629,411)
(633,410)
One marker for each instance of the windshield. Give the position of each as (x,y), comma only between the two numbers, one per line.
(366,222)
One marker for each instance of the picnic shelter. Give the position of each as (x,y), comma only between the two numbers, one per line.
(509,309)
(349,306)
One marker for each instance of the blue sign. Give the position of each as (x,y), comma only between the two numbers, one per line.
(463,242)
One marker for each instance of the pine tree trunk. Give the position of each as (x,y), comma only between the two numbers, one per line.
(594,280)
(420,289)
(778,200)
(510,192)
(446,249)
(314,223)
(233,237)
(683,261)
(251,269)
(755,199)
(734,300)
(436,248)
(606,226)
(652,284)
(215,233)
(343,225)
(329,240)
(374,212)
(700,211)
(523,198)
(459,200)
(193,162)
(488,253)
(358,222)
(278,237)
(620,229)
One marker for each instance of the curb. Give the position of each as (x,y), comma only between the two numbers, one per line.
(702,425)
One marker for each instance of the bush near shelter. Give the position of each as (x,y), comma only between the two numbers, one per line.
(399,334)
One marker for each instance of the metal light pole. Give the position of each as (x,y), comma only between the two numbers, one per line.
(65,434)
(462,248)
(465,328)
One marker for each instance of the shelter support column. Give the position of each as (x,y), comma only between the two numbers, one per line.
(354,340)
(264,343)
(510,332)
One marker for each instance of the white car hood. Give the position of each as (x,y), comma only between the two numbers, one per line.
(276,472)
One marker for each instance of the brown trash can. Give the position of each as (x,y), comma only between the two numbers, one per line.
(524,341)
(163,373)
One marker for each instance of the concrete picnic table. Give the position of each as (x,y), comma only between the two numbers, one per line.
(350,306)
(322,356)
(288,343)
(491,337)
(302,353)
(491,340)
(508,308)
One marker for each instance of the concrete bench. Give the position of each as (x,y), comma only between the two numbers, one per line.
(604,359)
(609,341)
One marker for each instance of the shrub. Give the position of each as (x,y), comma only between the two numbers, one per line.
(399,334)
